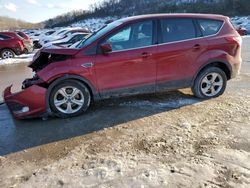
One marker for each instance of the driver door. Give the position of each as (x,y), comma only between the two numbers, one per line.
(131,66)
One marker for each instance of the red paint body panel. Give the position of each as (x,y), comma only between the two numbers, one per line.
(178,61)
(68,67)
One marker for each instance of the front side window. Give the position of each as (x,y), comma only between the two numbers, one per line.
(177,29)
(133,36)
(209,27)
(122,36)
(99,33)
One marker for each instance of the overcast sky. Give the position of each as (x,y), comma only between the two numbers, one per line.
(40,10)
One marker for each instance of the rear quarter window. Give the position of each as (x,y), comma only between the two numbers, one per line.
(20,35)
(210,27)
(177,29)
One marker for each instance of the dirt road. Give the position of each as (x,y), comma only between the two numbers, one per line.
(166,140)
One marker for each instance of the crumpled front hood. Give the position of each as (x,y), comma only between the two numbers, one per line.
(62,51)
(46,56)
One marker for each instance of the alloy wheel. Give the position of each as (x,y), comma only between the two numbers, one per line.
(69,100)
(7,54)
(211,84)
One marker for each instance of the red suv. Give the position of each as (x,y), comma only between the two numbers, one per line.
(10,45)
(142,54)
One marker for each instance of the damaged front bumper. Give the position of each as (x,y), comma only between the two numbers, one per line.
(30,102)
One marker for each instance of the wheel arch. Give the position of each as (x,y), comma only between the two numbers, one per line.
(223,65)
(2,49)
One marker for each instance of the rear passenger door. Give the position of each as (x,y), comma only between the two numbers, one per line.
(180,45)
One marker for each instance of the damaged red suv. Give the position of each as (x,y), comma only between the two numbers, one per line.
(142,54)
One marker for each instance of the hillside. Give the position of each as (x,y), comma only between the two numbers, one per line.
(121,8)
(12,24)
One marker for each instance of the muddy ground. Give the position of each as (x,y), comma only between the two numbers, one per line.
(164,140)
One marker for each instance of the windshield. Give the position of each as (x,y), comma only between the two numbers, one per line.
(98,34)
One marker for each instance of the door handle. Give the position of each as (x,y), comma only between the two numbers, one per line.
(146,54)
(197,46)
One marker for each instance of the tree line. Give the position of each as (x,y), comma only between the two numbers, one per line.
(120,8)
(7,23)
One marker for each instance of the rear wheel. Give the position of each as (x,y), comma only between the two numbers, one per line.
(69,98)
(7,54)
(26,51)
(210,83)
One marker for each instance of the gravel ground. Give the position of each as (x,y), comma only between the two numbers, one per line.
(165,140)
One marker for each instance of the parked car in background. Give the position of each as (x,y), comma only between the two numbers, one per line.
(82,30)
(247,27)
(61,34)
(77,43)
(68,41)
(10,45)
(242,25)
(242,31)
(38,35)
(134,55)
(28,44)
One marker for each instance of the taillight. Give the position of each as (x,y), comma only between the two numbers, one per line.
(20,43)
(234,39)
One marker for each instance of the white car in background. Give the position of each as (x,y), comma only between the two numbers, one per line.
(36,35)
(67,41)
(76,44)
(60,34)
(39,34)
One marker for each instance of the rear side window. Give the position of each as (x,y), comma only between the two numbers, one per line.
(210,27)
(20,35)
(4,37)
(177,29)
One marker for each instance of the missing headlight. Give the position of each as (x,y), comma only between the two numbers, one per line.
(32,81)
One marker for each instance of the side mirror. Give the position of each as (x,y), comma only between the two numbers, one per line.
(106,48)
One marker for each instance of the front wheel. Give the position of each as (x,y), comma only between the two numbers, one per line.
(210,83)
(69,98)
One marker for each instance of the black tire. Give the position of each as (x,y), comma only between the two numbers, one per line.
(218,85)
(26,51)
(7,51)
(68,86)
